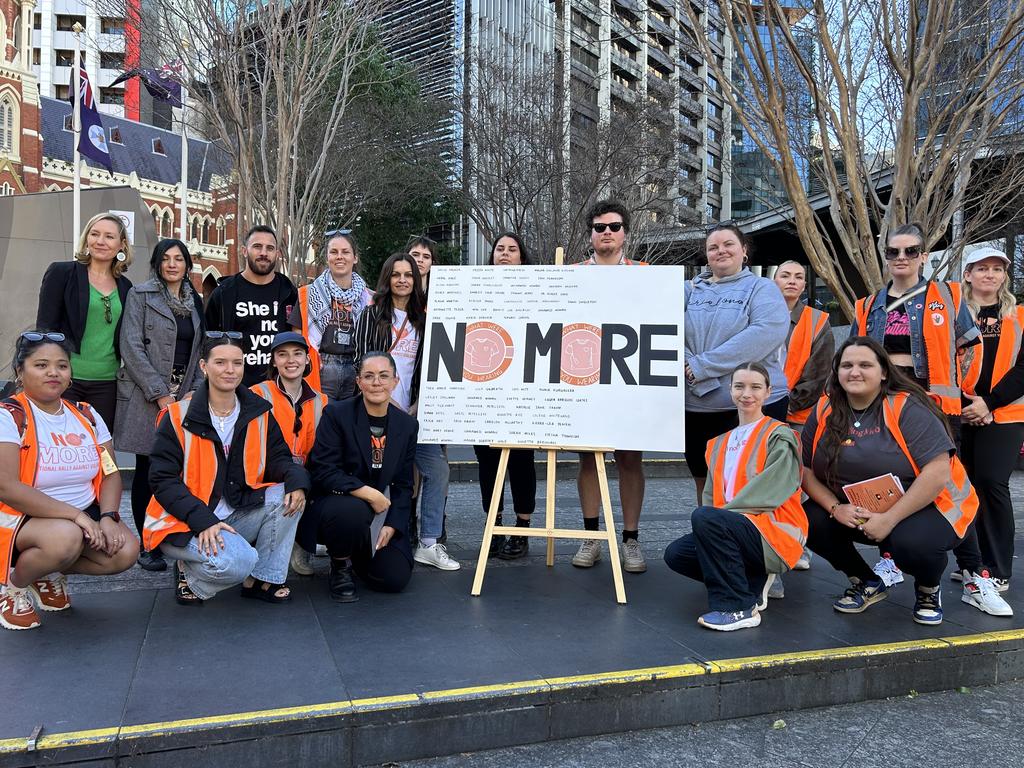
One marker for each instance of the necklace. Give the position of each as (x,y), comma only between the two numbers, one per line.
(222,418)
(858,416)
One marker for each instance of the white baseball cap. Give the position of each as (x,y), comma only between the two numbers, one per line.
(985,252)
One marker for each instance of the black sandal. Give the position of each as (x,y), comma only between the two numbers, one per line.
(268,595)
(182,593)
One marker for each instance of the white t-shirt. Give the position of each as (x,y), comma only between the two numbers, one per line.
(274,494)
(68,461)
(737,442)
(404,351)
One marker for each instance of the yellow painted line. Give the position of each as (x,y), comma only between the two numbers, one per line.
(670,672)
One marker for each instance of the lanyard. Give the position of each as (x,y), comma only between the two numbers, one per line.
(400,334)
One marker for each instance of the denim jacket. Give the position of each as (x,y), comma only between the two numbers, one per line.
(966,331)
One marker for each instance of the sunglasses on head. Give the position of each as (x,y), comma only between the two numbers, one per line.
(912,252)
(615,226)
(56,338)
(236,335)
(333,232)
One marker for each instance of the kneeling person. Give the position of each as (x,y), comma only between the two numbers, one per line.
(59,488)
(226,493)
(754,526)
(362,465)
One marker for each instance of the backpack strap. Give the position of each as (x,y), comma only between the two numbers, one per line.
(17,412)
(86,410)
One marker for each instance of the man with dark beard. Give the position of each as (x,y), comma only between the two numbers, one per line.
(256,302)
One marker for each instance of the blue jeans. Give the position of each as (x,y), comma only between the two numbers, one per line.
(260,548)
(432,464)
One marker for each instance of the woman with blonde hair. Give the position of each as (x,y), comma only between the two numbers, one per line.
(84,299)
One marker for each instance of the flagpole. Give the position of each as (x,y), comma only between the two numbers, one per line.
(76,126)
(183,203)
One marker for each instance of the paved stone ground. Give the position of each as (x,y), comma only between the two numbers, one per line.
(667,506)
(981,727)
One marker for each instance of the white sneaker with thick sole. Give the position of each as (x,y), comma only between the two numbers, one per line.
(299,561)
(633,557)
(981,592)
(588,554)
(804,563)
(436,556)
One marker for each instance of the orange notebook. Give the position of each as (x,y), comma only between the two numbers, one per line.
(876,494)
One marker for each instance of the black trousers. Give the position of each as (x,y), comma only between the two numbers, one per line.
(919,544)
(101,395)
(725,553)
(522,478)
(141,492)
(701,426)
(990,454)
(343,525)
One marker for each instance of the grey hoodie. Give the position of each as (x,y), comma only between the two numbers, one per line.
(739,319)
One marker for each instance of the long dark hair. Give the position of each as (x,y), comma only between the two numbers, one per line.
(385,304)
(524,257)
(161,249)
(837,428)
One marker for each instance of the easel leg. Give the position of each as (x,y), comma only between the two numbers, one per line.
(609,525)
(492,519)
(549,506)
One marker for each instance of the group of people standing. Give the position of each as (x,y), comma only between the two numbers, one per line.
(277,420)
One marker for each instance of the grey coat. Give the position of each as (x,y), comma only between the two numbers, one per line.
(148,335)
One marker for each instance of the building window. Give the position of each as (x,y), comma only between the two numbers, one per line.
(111,96)
(36,56)
(714,110)
(111,26)
(37,21)
(713,84)
(714,135)
(111,60)
(67,123)
(168,228)
(585,24)
(8,126)
(64,58)
(6,190)
(65,22)
(115,136)
(62,92)
(584,57)
(158,147)
(714,187)
(714,161)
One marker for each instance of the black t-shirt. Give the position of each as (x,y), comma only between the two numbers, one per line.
(871,450)
(183,343)
(991,326)
(897,331)
(378,441)
(260,312)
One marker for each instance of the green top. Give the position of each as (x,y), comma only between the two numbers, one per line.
(96,360)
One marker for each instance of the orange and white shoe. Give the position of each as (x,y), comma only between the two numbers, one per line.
(16,610)
(51,594)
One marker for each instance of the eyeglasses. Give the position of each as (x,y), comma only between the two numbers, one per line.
(108,313)
(333,232)
(370,378)
(912,252)
(615,226)
(236,335)
(56,338)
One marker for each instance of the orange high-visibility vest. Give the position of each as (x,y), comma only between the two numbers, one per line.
(785,528)
(314,354)
(957,501)
(942,304)
(810,325)
(199,470)
(28,464)
(302,443)
(1006,357)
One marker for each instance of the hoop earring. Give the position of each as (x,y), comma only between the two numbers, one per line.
(121,256)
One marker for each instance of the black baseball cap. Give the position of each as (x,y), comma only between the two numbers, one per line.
(289,337)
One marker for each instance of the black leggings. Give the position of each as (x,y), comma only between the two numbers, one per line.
(344,526)
(141,492)
(990,453)
(918,544)
(702,426)
(522,478)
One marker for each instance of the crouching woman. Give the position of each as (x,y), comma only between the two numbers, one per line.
(59,488)
(226,493)
(751,525)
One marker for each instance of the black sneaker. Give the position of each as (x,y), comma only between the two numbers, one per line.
(515,547)
(342,583)
(152,561)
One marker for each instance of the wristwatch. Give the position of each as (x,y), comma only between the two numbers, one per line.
(115,516)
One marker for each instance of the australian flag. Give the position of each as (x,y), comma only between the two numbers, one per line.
(163,84)
(92,142)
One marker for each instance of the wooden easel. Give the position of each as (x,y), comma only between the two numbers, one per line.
(549,531)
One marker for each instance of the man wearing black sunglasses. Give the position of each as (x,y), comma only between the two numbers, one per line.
(609,225)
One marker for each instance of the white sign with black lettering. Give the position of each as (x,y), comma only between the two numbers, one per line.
(578,357)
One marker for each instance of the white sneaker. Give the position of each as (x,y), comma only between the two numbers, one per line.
(804,563)
(588,554)
(633,557)
(299,561)
(981,592)
(436,556)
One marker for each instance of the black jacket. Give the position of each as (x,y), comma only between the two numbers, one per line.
(64,302)
(340,459)
(368,338)
(166,464)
